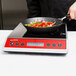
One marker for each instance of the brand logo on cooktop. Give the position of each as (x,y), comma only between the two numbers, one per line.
(13,40)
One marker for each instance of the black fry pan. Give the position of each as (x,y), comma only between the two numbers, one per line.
(58,22)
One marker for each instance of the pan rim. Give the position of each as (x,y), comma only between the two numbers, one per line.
(23,22)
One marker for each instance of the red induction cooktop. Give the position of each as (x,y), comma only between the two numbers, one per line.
(20,40)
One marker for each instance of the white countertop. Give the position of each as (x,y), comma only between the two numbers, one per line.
(38,65)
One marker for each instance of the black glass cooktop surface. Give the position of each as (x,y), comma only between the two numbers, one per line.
(59,33)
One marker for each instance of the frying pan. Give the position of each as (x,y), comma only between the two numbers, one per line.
(58,22)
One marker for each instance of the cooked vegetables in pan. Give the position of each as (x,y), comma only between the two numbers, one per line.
(40,24)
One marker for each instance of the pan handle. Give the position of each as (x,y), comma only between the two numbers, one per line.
(65,17)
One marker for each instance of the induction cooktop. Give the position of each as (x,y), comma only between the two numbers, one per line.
(20,40)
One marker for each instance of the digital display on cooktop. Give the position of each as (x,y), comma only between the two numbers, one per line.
(35,44)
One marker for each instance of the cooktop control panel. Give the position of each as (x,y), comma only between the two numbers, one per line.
(36,43)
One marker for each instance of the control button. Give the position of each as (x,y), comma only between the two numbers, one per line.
(53,45)
(48,44)
(59,45)
(11,43)
(17,44)
(22,44)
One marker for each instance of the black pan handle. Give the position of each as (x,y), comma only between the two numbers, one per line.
(65,17)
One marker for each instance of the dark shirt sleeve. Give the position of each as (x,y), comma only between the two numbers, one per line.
(33,8)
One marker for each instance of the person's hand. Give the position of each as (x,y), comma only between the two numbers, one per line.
(72,11)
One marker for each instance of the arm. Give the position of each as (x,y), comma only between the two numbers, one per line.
(72,11)
(33,8)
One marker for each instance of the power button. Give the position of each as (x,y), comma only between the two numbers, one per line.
(59,45)
(11,43)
